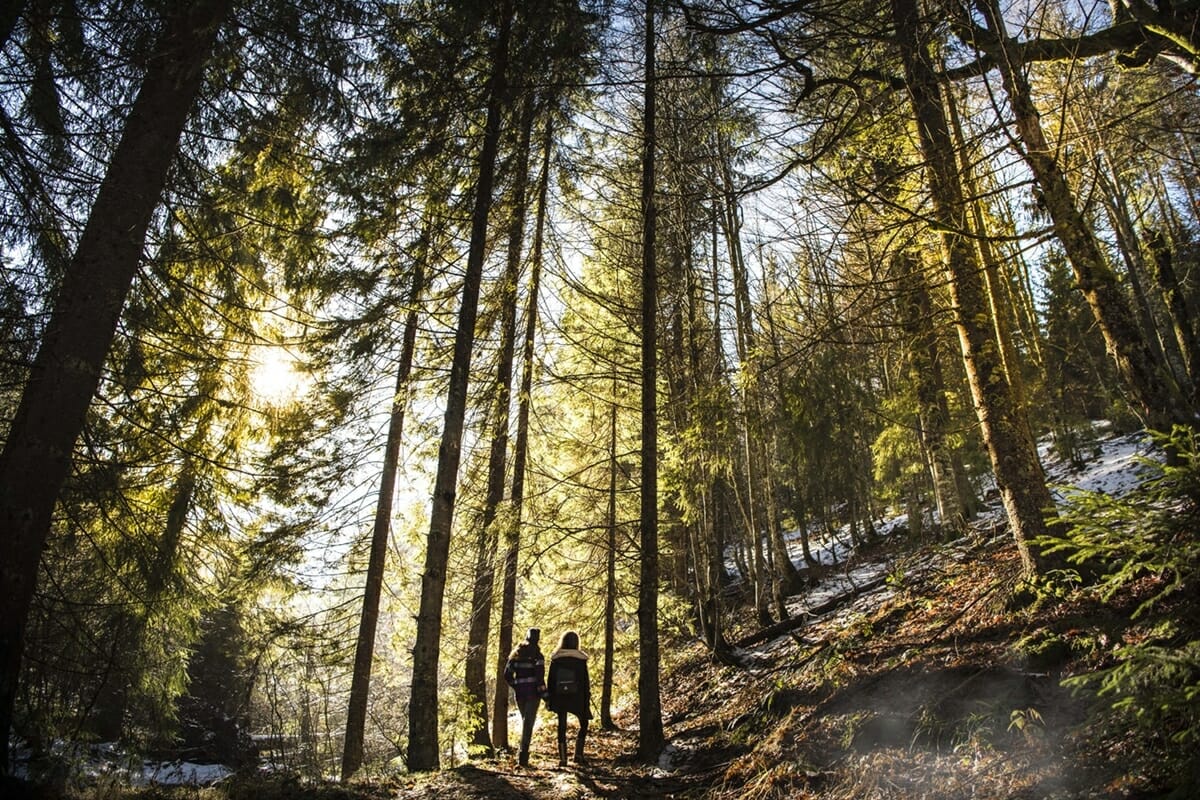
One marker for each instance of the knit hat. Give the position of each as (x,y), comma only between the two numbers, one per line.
(533,635)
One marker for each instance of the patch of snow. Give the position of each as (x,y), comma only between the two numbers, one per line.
(1115,470)
(666,759)
(181,773)
(107,759)
(1117,467)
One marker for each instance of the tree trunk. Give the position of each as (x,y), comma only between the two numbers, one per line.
(364,650)
(508,599)
(1014,461)
(485,570)
(423,750)
(1177,308)
(994,283)
(925,364)
(1131,252)
(610,572)
(1157,398)
(113,698)
(36,459)
(764,502)
(650,725)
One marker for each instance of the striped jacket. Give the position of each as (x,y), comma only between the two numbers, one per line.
(525,672)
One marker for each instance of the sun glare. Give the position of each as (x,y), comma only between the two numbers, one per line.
(275,378)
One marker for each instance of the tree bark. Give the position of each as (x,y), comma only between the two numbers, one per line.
(364,650)
(1155,395)
(36,459)
(762,504)
(1135,265)
(508,594)
(1177,307)
(1018,471)
(924,360)
(485,569)
(423,751)
(650,730)
(610,572)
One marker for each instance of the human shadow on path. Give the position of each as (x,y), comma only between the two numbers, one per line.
(489,784)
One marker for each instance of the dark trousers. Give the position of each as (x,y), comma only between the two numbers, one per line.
(528,709)
(579,737)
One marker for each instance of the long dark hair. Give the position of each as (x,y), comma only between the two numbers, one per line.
(531,640)
(570,641)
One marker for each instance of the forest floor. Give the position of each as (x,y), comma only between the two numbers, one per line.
(915,676)
(926,686)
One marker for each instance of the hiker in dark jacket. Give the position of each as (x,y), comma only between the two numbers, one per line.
(525,672)
(570,693)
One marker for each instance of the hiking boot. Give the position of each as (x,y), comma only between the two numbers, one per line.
(523,759)
(562,754)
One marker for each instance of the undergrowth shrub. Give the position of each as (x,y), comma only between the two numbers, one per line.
(1109,542)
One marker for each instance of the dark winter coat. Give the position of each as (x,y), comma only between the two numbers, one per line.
(569,667)
(525,672)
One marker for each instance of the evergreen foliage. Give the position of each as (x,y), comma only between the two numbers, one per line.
(1146,537)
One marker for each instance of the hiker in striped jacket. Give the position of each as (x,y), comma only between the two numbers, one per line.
(525,672)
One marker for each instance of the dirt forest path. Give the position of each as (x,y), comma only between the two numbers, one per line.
(611,771)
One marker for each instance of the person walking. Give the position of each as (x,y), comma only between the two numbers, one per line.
(570,692)
(525,672)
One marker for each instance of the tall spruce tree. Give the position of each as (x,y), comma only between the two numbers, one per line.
(423,750)
(650,730)
(36,458)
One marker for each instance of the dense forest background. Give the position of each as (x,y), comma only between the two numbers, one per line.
(344,340)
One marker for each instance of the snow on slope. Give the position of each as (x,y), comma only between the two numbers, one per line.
(1114,468)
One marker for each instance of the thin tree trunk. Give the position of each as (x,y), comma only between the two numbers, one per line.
(364,650)
(1166,208)
(36,459)
(1157,398)
(650,724)
(485,569)
(1027,315)
(753,505)
(508,595)
(1177,307)
(697,542)
(797,504)
(715,565)
(763,503)
(712,542)
(114,695)
(610,572)
(1015,463)
(994,283)
(800,512)
(423,751)
(925,365)
(1127,242)
(1185,173)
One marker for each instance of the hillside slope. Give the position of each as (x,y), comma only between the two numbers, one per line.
(920,680)
(908,671)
